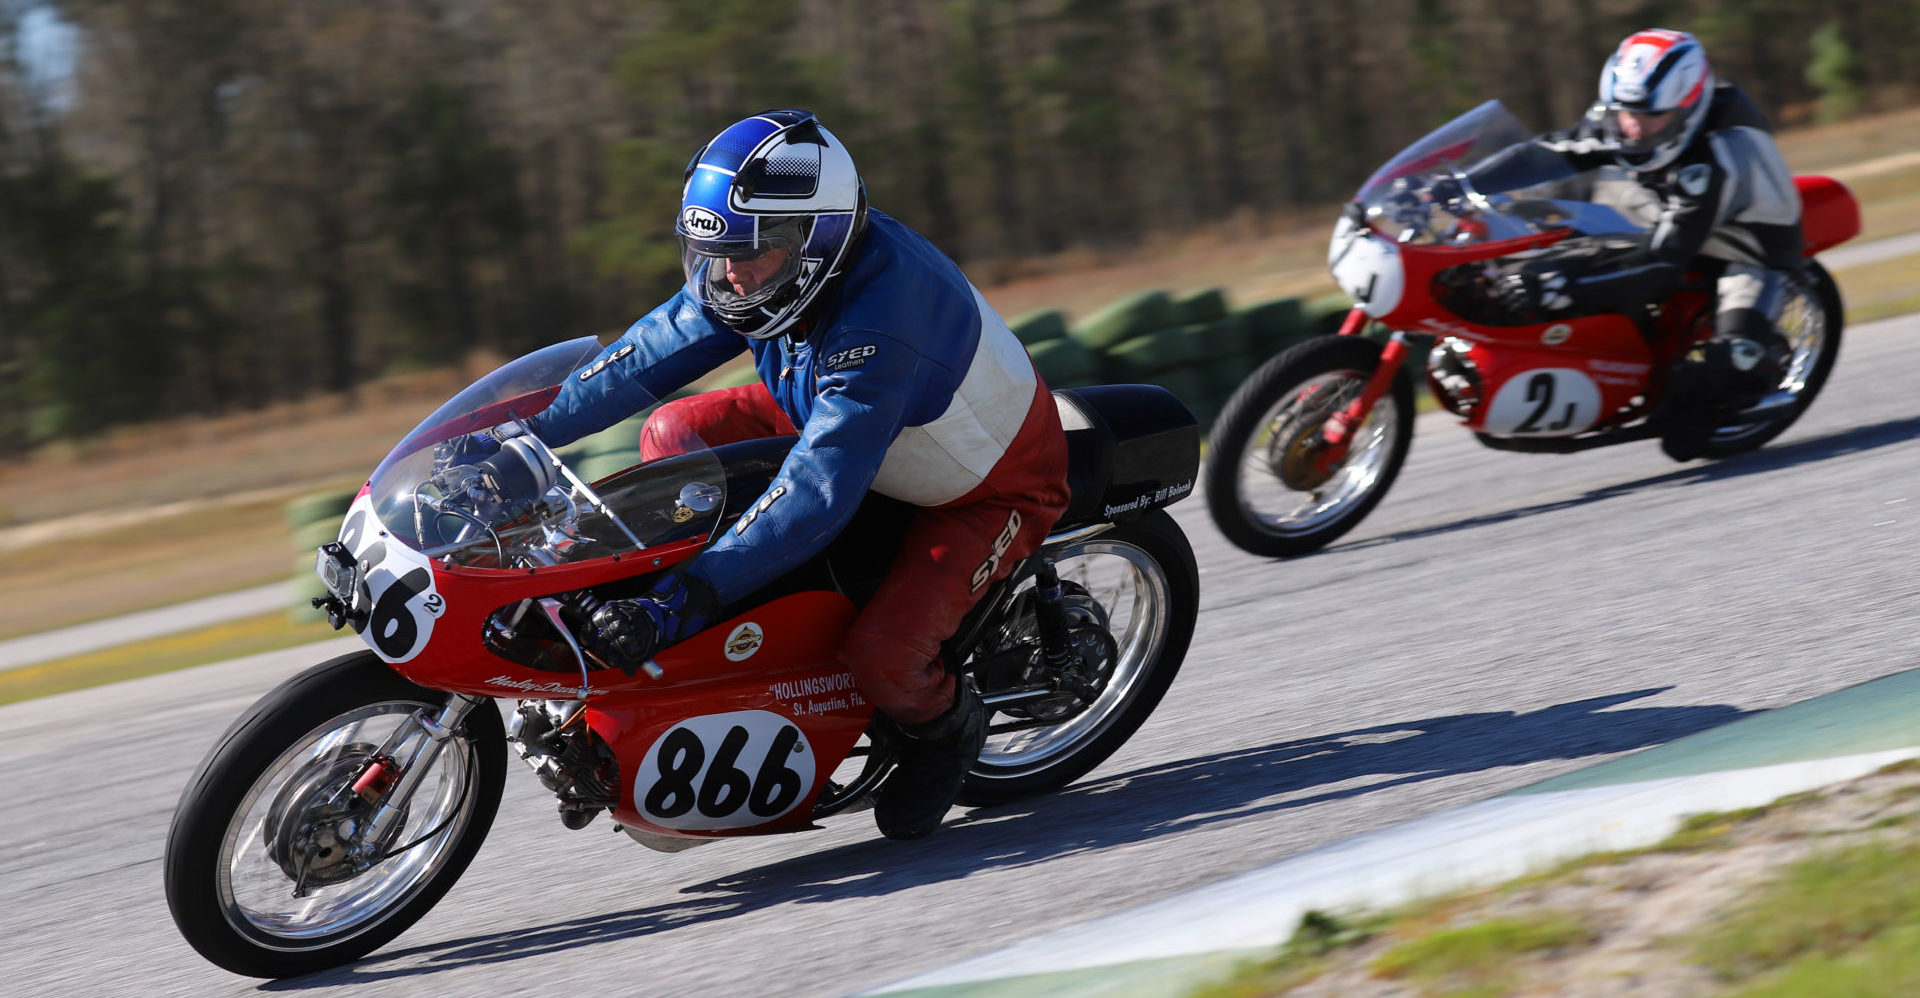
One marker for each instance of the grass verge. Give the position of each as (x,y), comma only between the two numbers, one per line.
(1815,895)
(247,636)
(1880,290)
(1477,961)
(1852,914)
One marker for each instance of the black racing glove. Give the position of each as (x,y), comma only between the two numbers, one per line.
(625,633)
(1524,293)
(1448,193)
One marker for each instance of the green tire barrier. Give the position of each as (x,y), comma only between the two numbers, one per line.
(746,376)
(306,588)
(1066,360)
(1187,346)
(1273,326)
(1323,315)
(1134,315)
(1143,356)
(318,506)
(1038,327)
(1205,305)
(312,520)
(601,465)
(311,536)
(1224,375)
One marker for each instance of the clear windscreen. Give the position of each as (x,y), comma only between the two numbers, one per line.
(475,484)
(1424,194)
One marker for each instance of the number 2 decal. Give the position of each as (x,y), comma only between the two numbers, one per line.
(724,771)
(1541,386)
(1544,402)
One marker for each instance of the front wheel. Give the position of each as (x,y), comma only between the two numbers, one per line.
(1131,595)
(276,866)
(1811,321)
(1269,485)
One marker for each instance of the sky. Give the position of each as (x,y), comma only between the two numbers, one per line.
(48,49)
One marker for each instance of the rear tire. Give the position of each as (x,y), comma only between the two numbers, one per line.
(227,886)
(1143,576)
(1268,425)
(1812,323)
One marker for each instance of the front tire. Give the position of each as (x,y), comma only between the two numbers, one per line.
(1811,322)
(1140,582)
(261,869)
(1264,489)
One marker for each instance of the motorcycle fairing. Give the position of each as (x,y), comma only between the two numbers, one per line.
(1552,378)
(745,699)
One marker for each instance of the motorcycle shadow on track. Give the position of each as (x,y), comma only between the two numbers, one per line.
(1097,815)
(1844,443)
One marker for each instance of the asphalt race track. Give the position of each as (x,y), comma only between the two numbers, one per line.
(1501,618)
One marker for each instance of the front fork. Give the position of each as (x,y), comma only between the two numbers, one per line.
(389,781)
(1339,428)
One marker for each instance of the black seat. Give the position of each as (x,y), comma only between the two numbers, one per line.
(1130,448)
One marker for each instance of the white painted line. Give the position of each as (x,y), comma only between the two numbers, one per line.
(1889,248)
(82,638)
(1477,845)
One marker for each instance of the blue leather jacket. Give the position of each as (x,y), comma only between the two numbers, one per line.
(908,384)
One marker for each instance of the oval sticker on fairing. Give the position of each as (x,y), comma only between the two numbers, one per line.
(732,770)
(399,583)
(1547,402)
(744,641)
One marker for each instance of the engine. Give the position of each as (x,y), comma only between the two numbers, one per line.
(1453,377)
(552,736)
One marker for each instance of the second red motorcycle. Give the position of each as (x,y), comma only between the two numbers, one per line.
(1307,446)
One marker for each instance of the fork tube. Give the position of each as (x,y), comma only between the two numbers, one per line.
(435,731)
(1355,321)
(1340,425)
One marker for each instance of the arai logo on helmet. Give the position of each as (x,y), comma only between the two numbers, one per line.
(702,222)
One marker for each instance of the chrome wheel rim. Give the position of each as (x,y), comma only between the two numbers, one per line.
(1803,322)
(1133,590)
(257,892)
(1268,502)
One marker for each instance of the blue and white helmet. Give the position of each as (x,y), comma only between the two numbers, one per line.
(769,218)
(1656,72)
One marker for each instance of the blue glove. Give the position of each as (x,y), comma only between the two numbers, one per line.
(468,448)
(624,633)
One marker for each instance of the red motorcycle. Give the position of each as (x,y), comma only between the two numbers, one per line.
(1312,440)
(345,803)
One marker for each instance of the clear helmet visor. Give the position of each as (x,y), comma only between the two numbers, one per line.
(1641,133)
(736,276)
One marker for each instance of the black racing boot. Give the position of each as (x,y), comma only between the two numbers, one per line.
(1686,414)
(934,759)
(1690,426)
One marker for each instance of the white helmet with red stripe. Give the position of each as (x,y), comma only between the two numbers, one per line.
(1661,80)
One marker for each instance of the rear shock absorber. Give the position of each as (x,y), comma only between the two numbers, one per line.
(1050,617)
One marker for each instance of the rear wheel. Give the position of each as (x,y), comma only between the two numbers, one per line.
(1131,595)
(1811,322)
(275,865)
(1268,487)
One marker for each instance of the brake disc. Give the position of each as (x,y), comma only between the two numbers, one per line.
(1295,454)
(316,820)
